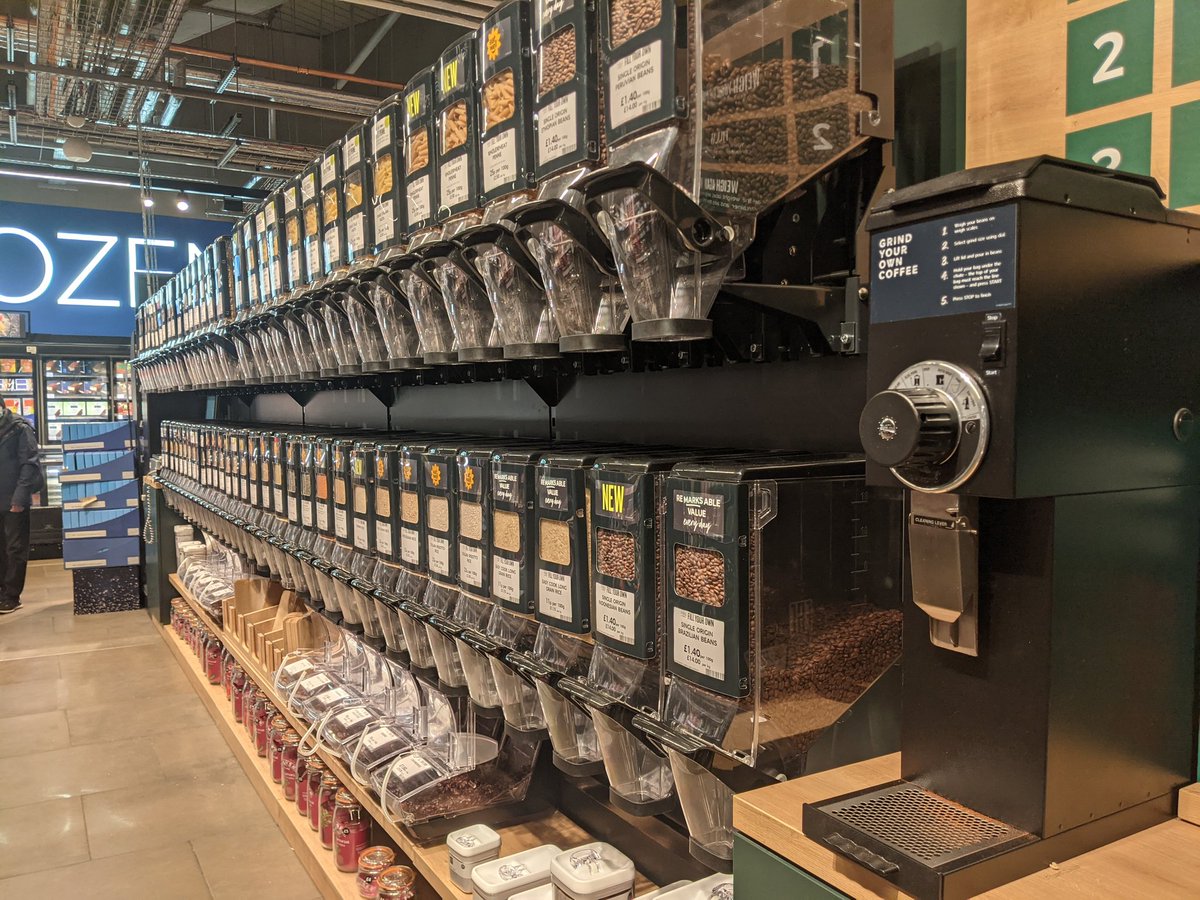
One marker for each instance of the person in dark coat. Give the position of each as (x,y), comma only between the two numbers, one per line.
(20,478)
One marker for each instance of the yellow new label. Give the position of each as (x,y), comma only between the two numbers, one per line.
(612,498)
(412,104)
(451,76)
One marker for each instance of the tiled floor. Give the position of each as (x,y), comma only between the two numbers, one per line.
(114,782)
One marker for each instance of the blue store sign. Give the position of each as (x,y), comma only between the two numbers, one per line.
(82,271)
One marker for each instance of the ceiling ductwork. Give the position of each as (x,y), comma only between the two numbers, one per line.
(465,13)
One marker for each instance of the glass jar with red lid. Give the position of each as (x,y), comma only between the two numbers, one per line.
(227,665)
(212,659)
(249,698)
(351,831)
(237,683)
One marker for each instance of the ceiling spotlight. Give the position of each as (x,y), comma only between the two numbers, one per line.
(147,201)
(76,121)
(181,202)
(77,150)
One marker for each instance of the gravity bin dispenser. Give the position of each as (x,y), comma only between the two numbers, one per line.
(781,629)
(1049,697)
(733,125)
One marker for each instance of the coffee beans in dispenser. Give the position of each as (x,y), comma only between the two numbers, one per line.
(356,186)
(510,275)
(576,264)
(339,473)
(295,271)
(783,591)
(333,212)
(310,210)
(714,113)
(362,506)
(386,159)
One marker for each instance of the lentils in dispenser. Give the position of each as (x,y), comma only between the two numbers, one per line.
(333,222)
(293,237)
(510,276)
(776,87)
(388,225)
(356,185)
(310,212)
(362,484)
(576,264)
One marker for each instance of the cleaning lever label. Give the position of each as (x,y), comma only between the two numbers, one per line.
(955,264)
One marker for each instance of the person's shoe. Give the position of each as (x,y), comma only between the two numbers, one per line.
(7,606)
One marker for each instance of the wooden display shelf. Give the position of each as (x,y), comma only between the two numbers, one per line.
(1161,862)
(432,862)
(316,860)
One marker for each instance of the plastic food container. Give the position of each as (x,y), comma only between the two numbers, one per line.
(545,892)
(501,878)
(595,871)
(469,847)
(714,887)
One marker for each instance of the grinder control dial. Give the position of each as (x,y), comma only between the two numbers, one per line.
(930,427)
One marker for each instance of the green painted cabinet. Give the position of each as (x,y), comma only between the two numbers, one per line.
(759,874)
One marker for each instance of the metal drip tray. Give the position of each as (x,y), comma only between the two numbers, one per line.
(911,836)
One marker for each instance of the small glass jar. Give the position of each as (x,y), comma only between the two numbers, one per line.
(227,666)
(279,727)
(326,802)
(238,691)
(249,698)
(263,711)
(301,783)
(371,863)
(351,831)
(316,771)
(212,660)
(396,883)
(289,753)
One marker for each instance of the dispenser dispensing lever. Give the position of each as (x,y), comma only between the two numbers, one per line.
(944,552)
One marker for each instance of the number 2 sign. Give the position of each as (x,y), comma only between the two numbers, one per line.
(1110,55)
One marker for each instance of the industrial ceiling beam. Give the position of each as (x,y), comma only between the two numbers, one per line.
(436,11)
(188,93)
(368,48)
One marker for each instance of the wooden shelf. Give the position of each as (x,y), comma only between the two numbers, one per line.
(432,862)
(1161,862)
(306,843)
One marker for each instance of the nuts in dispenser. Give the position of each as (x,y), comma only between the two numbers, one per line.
(418,150)
(629,18)
(454,126)
(557,64)
(499,100)
(700,575)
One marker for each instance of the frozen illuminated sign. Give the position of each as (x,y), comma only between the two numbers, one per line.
(82,271)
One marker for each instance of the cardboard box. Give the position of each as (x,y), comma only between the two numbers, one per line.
(101,553)
(113,465)
(78,436)
(101,523)
(100,495)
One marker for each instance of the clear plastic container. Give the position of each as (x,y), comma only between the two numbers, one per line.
(472,320)
(437,339)
(365,329)
(594,871)
(639,778)
(337,326)
(321,340)
(396,323)
(501,878)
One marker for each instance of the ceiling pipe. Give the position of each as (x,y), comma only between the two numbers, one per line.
(184,50)
(437,11)
(189,93)
(173,185)
(368,48)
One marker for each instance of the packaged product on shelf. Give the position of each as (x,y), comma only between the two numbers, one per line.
(469,847)
(593,871)
(501,878)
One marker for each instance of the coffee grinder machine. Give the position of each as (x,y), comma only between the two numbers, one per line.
(1031,346)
